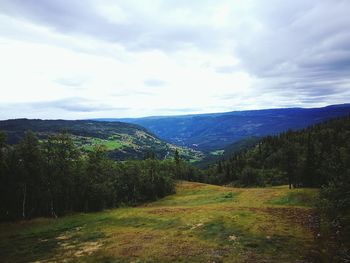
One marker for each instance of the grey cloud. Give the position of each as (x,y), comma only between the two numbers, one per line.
(67,104)
(70,104)
(304,47)
(299,50)
(71,17)
(141,31)
(75,105)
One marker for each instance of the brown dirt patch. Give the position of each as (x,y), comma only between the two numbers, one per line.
(305,217)
(87,249)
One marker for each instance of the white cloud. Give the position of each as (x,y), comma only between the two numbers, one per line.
(136,58)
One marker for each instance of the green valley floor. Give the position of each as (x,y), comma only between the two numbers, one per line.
(200,223)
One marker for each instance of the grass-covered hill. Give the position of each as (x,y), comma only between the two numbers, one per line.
(200,223)
(210,132)
(122,140)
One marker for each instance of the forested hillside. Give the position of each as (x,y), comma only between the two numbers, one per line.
(123,141)
(310,157)
(54,177)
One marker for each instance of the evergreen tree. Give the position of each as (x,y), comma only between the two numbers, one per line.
(177,158)
(30,171)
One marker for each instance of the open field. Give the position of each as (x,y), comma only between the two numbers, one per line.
(200,223)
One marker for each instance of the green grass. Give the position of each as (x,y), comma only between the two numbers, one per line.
(217,152)
(298,197)
(109,144)
(134,146)
(200,223)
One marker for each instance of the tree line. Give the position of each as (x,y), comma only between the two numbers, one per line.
(312,157)
(53,178)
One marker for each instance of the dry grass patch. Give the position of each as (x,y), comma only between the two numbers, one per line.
(200,223)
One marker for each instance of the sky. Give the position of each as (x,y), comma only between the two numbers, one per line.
(73,59)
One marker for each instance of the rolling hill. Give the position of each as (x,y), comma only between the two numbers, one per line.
(122,140)
(207,132)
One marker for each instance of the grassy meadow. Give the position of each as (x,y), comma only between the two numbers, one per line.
(200,223)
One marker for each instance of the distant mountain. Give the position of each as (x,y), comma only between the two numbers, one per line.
(215,131)
(122,140)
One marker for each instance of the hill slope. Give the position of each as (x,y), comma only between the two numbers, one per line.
(200,223)
(308,157)
(122,140)
(215,131)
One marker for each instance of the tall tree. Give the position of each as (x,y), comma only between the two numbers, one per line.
(30,170)
(3,173)
(60,157)
(177,158)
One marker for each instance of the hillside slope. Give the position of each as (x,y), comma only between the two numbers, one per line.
(122,140)
(200,223)
(215,131)
(309,157)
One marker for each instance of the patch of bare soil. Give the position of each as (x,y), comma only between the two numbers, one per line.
(71,248)
(305,217)
(132,244)
(87,248)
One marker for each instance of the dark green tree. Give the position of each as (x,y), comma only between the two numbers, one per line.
(30,171)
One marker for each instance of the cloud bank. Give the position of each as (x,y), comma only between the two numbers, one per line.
(106,58)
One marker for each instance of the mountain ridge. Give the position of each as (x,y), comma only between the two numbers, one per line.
(212,131)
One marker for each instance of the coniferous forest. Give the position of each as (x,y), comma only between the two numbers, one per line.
(53,178)
(318,156)
(310,157)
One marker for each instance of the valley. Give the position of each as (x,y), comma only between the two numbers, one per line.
(174,131)
(104,191)
(123,141)
(215,131)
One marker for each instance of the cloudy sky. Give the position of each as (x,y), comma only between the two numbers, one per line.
(107,58)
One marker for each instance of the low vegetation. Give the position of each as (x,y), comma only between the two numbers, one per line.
(200,223)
